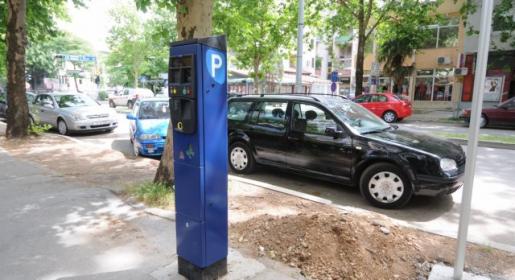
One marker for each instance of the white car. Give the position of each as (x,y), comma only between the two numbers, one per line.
(128,96)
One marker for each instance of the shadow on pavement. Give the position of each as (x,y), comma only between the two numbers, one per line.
(420,209)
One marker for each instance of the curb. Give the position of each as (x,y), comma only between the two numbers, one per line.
(485,144)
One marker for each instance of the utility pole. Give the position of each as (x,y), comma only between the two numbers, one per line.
(300,41)
(477,104)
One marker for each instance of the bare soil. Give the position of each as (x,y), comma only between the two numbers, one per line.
(321,241)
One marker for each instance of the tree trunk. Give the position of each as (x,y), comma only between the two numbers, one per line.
(193,21)
(18,110)
(256,78)
(360,58)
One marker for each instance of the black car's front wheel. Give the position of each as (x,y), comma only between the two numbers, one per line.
(385,185)
(240,158)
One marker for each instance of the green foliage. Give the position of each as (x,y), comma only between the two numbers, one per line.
(403,34)
(36,129)
(503,20)
(139,47)
(41,22)
(153,194)
(102,96)
(259,32)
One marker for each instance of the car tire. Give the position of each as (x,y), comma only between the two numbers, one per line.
(62,127)
(385,185)
(483,121)
(130,104)
(389,116)
(241,159)
(111,104)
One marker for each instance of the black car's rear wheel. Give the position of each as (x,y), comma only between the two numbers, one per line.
(240,158)
(386,186)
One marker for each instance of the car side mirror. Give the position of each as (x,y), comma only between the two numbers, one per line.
(330,131)
(131,117)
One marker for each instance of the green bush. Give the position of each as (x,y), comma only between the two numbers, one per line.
(37,129)
(102,96)
(153,194)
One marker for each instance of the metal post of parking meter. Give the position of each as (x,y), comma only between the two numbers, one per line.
(198,102)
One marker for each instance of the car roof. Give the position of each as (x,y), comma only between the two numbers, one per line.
(293,97)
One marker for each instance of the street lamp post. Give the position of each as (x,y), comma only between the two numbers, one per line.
(477,104)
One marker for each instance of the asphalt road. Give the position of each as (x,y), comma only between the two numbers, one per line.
(493,215)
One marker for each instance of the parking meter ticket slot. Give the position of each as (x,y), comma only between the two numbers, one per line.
(184,115)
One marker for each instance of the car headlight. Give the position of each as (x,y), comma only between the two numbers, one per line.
(149,137)
(77,116)
(447,164)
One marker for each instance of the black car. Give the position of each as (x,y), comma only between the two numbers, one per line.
(332,138)
(3,103)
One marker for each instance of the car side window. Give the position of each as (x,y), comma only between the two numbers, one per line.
(510,104)
(312,119)
(362,99)
(378,98)
(126,92)
(135,110)
(269,114)
(45,101)
(238,110)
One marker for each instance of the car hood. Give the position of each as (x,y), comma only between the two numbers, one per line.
(88,110)
(159,126)
(421,142)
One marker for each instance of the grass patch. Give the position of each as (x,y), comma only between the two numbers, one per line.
(153,194)
(503,139)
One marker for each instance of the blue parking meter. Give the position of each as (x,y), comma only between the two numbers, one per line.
(198,102)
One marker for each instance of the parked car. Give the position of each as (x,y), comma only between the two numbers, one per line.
(3,103)
(128,96)
(72,112)
(387,106)
(148,126)
(501,115)
(335,139)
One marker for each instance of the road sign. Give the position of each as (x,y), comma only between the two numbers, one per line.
(75,57)
(333,87)
(334,76)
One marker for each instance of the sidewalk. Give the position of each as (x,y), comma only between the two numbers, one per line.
(56,229)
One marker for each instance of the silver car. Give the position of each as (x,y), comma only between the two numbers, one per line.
(72,112)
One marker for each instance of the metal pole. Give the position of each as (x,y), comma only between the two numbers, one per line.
(477,104)
(300,36)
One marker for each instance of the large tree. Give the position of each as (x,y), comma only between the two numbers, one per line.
(403,34)
(364,16)
(18,111)
(21,22)
(194,20)
(259,32)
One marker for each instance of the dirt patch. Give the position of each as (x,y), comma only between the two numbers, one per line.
(83,163)
(334,245)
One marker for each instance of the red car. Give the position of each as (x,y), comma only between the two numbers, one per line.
(501,115)
(387,106)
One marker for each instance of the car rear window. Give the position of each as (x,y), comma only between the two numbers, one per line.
(238,110)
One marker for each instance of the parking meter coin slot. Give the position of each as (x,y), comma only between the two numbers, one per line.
(184,115)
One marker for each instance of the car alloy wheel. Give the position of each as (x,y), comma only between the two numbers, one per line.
(239,158)
(389,116)
(62,127)
(386,187)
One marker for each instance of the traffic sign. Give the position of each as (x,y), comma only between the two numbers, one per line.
(333,87)
(334,76)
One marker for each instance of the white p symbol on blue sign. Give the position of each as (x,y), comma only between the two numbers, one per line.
(215,65)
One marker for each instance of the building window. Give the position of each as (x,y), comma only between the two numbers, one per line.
(443,35)
(434,85)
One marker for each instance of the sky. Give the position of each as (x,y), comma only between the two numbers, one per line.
(91,23)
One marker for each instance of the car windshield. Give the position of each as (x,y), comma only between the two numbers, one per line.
(154,110)
(73,100)
(354,115)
